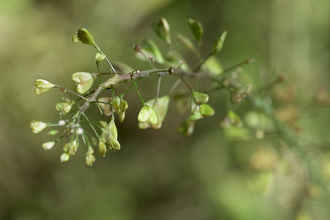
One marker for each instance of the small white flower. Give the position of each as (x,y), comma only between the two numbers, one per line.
(79,131)
(61,123)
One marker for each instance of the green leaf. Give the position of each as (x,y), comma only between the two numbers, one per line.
(162,29)
(152,48)
(121,67)
(218,44)
(213,66)
(196,29)
(187,43)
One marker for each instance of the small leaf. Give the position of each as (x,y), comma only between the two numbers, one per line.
(151,47)
(217,46)
(187,43)
(162,29)
(196,29)
(213,66)
(121,67)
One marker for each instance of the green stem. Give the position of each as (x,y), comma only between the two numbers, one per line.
(106,58)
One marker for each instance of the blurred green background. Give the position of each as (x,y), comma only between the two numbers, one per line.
(157,174)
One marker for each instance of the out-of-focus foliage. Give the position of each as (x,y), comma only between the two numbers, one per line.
(159,174)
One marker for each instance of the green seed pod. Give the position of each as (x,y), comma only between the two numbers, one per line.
(84,81)
(116,104)
(224,123)
(90,159)
(63,108)
(121,116)
(113,143)
(112,128)
(106,108)
(235,120)
(41,86)
(196,116)
(187,128)
(73,147)
(196,29)
(83,36)
(200,98)
(206,110)
(48,145)
(99,57)
(123,105)
(217,46)
(162,29)
(37,126)
(147,114)
(102,148)
(144,125)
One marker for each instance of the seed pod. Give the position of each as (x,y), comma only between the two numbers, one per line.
(37,126)
(41,86)
(83,36)
(218,44)
(84,81)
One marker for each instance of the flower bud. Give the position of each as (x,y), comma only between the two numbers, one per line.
(63,108)
(41,86)
(65,157)
(147,114)
(162,29)
(217,46)
(48,145)
(102,148)
(99,57)
(84,81)
(196,29)
(137,48)
(83,36)
(37,126)
(123,105)
(53,132)
(90,159)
